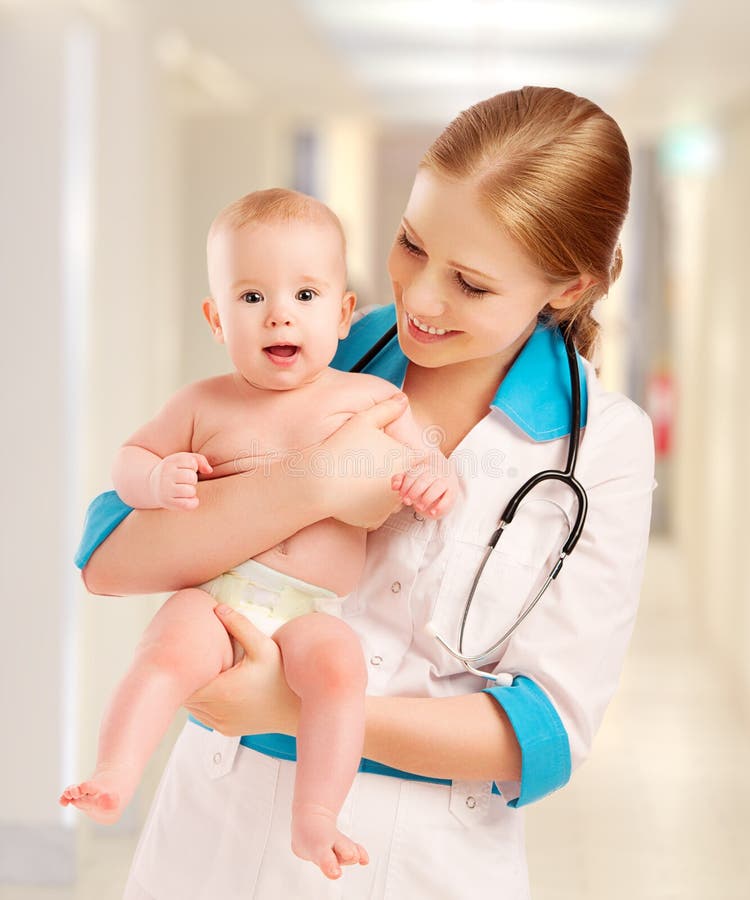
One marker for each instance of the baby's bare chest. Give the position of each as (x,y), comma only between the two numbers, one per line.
(236,435)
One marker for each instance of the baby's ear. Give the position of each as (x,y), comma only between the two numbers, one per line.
(348,303)
(211,315)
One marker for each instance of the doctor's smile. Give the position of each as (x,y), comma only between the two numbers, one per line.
(426,334)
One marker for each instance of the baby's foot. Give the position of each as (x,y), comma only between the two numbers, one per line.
(316,837)
(104,796)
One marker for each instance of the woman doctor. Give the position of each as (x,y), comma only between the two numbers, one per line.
(509,236)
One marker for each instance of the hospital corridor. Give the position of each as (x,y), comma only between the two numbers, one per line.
(127,125)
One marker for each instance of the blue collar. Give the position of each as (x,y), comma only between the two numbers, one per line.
(535,393)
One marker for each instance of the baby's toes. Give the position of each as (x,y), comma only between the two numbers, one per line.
(347,852)
(364,856)
(72,792)
(329,865)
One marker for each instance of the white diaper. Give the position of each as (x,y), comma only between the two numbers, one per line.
(269,598)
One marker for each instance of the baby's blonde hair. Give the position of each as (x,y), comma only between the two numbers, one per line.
(274,205)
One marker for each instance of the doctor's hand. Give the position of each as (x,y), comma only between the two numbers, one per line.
(252,697)
(359,461)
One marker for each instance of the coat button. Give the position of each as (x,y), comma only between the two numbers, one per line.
(376,660)
(217,758)
(471,802)
(396,587)
(418,516)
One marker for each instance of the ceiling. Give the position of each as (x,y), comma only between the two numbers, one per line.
(651,63)
(424,60)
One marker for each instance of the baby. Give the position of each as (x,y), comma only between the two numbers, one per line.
(277,274)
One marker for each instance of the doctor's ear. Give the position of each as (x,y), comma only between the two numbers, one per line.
(211,315)
(571,291)
(348,303)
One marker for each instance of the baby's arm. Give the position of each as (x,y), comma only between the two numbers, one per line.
(153,470)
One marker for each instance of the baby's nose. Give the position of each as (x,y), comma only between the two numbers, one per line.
(279,314)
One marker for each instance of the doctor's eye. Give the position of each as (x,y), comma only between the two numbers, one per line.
(252,297)
(404,241)
(467,288)
(305,294)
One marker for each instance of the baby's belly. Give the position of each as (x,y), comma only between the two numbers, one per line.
(329,554)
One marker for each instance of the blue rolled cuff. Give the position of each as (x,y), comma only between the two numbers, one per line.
(104,514)
(545,749)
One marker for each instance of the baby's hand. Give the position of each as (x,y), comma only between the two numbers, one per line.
(173,480)
(431,487)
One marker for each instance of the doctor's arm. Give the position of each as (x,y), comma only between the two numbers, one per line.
(128,551)
(466,737)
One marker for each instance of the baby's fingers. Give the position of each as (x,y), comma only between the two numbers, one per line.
(431,495)
(180,491)
(204,465)
(419,485)
(182,503)
(408,480)
(440,507)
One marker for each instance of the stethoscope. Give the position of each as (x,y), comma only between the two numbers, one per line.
(566,476)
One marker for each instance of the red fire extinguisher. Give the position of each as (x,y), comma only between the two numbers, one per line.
(661,404)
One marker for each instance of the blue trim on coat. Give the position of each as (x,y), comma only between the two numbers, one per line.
(535,393)
(104,514)
(283,746)
(545,749)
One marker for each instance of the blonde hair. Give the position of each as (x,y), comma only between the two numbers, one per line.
(554,169)
(274,205)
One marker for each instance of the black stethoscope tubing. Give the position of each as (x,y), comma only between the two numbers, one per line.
(566,476)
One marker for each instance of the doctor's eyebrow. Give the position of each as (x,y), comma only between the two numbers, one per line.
(452,263)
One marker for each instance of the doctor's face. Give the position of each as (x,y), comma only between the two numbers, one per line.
(455,270)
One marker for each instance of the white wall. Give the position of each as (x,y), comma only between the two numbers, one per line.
(714,369)
(36,576)
(700,77)
(135,323)
(88,299)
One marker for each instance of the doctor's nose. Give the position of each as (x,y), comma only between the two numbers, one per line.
(421,297)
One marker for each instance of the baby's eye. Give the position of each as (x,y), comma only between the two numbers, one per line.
(252,297)
(305,294)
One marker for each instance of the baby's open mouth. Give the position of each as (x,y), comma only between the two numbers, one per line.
(282,349)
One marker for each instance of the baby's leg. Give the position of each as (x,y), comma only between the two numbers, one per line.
(183,648)
(324,666)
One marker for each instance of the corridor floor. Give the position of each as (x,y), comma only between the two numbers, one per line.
(660,810)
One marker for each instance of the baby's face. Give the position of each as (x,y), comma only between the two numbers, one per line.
(279,299)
